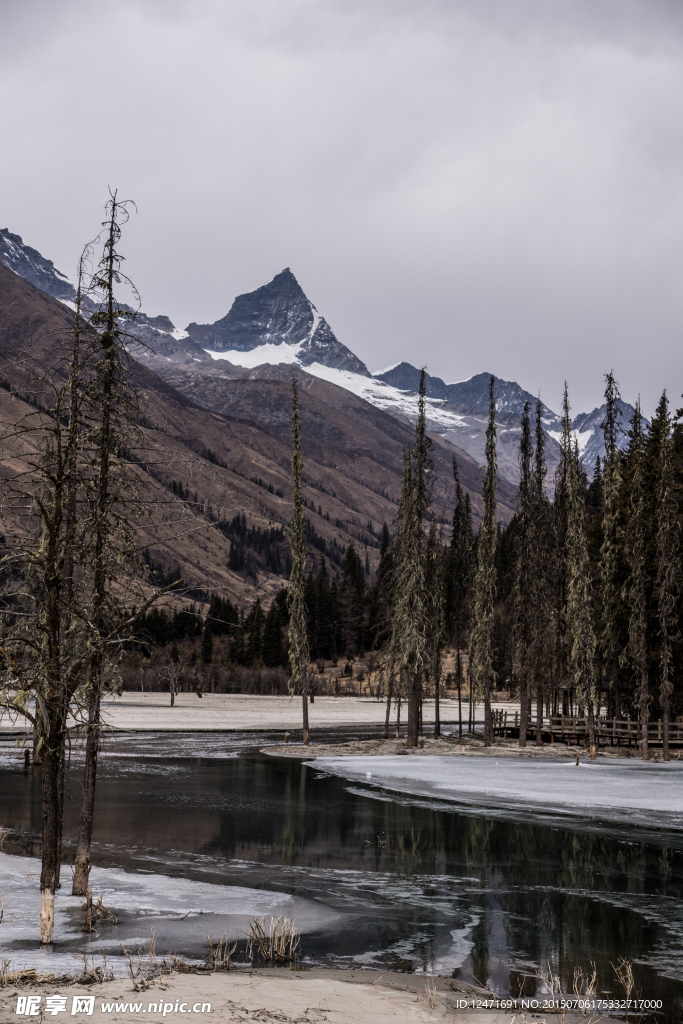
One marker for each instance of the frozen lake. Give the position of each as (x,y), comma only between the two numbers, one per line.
(462,869)
(629,791)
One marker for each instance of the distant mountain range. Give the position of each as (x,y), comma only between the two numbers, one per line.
(277,324)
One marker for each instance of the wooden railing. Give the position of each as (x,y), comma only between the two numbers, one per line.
(573,729)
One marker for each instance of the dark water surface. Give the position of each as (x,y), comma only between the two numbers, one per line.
(400,883)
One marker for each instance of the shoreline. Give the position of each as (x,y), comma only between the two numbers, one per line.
(447,746)
(286,995)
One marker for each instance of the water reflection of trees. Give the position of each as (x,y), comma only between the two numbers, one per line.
(540,893)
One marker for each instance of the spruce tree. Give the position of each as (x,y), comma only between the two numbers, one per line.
(435,598)
(558,569)
(207,644)
(408,644)
(481,640)
(298,635)
(253,627)
(667,587)
(272,637)
(540,573)
(609,645)
(635,589)
(580,626)
(459,580)
(352,601)
(521,592)
(423,507)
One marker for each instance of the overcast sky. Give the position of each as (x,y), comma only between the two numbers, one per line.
(472,184)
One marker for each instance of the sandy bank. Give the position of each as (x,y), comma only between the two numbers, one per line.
(282,996)
(467,747)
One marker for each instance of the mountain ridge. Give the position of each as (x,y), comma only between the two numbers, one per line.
(277,324)
(224,432)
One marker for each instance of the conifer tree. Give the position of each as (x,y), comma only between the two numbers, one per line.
(207,644)
(298,636)
(610,552)
(408,644)
(422,511)
(352,600)
(558,574)
(667,587)
(540,572)
(481,640)
(272,637)
(635,590)
(580,627)
(522,610)
(459,579)
(435,598)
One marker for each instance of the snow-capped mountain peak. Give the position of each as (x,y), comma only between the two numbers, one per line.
(276,314)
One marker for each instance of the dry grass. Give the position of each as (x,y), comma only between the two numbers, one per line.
(91,973)
(624,972)
(29,976)
(430,989)
(219,957)
(273,944)
(551,981)
(144,966)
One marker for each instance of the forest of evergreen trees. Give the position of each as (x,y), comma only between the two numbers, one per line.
(574,606)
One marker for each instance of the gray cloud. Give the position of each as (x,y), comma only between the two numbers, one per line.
(477,185)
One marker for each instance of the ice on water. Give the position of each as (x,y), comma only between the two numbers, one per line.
(176,908)
(629,791)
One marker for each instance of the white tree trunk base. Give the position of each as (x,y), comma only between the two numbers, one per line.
(47,917)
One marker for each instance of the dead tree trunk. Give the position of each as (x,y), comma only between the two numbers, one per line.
(82,860)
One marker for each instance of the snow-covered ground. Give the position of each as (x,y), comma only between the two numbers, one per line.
(374,391)
(181,911)
(633,792)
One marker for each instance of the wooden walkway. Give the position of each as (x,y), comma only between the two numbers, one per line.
(615,732)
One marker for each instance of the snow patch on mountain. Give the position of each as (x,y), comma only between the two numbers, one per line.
(269,353)
(582,438)
(382,396)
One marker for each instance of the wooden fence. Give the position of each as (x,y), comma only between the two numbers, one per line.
(616,732)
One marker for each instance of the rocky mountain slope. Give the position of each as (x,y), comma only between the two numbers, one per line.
(29,264)
(277,325)
(221,449)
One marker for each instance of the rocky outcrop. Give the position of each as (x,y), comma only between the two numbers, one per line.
(34,268)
